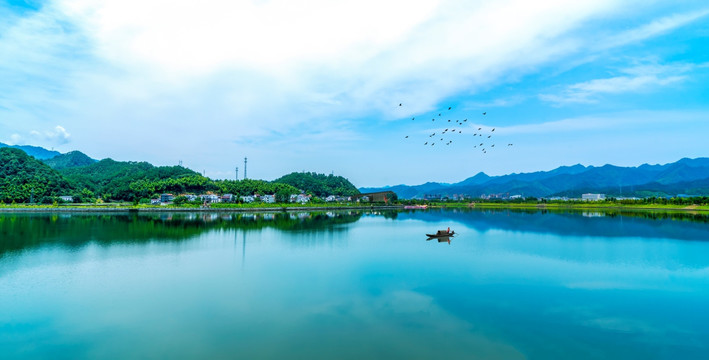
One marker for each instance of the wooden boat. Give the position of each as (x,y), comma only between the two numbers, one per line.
(441,233)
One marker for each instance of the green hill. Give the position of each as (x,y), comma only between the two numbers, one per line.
(112,179)
(69,160)
(319,184)
(22,178)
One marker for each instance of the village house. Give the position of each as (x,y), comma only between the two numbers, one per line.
(301,198)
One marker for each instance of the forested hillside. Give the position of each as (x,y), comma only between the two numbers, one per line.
(23,177)
(319,184)
(69,160)
(112,179)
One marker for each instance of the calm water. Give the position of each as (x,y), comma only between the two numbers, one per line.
(355,285)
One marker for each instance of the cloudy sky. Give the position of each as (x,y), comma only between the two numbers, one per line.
(316,85)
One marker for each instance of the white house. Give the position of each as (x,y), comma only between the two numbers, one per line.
(67,198)
(210,198)
(593,197)
(331,198)
(301,198)
(270,199)
(247,199)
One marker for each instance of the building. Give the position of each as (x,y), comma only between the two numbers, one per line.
(593,197)
(381,196)
(166,198)
(247,199)
(228,198)
(211,198)
(300,198)
(331,198)
(67,198)
(269,199)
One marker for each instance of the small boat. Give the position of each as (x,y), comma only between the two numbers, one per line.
(441,233)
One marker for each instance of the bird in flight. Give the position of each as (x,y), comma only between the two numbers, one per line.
(449,108)
(479,128)
(493,129)
(399,104)
(489,136)
(412,118)
(426,143)
(439,114)
(407,136)
(485,113)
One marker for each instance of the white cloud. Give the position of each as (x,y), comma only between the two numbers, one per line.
(56,136)
(616,122)
(655,28)
(643,78)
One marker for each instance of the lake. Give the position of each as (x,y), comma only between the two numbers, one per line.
(355,285)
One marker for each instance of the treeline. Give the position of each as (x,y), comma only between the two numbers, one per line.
(25,179)
(319,184)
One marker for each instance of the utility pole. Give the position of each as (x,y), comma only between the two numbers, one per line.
(245,168)
(237,173)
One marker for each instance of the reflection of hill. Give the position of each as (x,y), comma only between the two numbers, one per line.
(24,231)
(677,225)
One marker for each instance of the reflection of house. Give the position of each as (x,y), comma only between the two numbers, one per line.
(593,197)
(166,198)
(67,198)
(381,196)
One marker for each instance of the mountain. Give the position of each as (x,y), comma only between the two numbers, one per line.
(24,178)
(685,176)
(36,151)
(69,160)
(112,179)
(319,184)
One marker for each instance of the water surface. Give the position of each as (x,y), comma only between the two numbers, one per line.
(353,285)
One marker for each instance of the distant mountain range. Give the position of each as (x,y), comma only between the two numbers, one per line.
(686,176)
(37,152)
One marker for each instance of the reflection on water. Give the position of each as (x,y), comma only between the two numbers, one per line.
(22,231)
(352,285)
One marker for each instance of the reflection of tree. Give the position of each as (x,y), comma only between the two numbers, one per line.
(23,231)
(606,223)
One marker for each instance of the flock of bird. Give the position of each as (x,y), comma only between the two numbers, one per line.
(445,136)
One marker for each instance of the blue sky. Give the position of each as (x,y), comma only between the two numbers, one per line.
(316,85)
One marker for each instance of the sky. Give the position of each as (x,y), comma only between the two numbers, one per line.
(317,85)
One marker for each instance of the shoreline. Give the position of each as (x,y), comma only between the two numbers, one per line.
(130,209)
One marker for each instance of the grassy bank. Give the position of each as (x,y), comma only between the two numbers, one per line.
(570,205)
